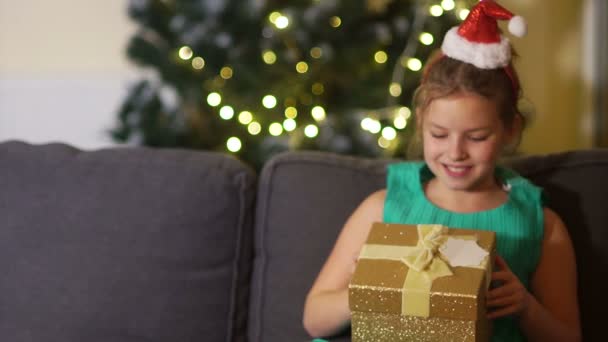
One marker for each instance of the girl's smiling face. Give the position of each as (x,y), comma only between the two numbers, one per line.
(463,136)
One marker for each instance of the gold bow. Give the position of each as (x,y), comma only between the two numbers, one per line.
(425,266)
(424,257)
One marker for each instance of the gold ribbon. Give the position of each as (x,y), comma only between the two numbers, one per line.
(425,265)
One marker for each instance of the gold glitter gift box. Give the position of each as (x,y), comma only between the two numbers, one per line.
(412,284)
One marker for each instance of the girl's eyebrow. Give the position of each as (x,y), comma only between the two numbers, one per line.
(477,129)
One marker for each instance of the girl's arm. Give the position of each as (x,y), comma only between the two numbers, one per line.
(552,313)
(326,309)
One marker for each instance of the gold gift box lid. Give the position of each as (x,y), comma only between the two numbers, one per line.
(377,285)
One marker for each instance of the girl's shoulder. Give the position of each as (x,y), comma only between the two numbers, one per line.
(371,206)
(374,201)
(552,222)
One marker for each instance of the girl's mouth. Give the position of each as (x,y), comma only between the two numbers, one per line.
(456,171)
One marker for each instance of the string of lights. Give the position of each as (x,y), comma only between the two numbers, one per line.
(305,104)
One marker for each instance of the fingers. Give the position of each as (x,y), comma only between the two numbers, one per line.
(503,291)
(512,305)
(501,263)
(509,310)
(511,299)
(510,286)
(502,275)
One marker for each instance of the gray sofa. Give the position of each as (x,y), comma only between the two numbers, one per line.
(136,244)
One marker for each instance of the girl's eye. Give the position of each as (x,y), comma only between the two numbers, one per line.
(438,136)
(482,138)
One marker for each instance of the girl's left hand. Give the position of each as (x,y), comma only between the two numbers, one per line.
(511,297)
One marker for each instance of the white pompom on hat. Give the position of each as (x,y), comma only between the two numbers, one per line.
(478,40)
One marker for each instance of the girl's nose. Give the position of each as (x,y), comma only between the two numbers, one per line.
(457,150)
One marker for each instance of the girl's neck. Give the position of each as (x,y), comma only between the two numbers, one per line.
(465,201)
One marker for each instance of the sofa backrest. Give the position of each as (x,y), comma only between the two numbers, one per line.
(123,245)
(576,187)
(305,198)
(303,201)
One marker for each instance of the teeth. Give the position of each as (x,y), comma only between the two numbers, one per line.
(456,168)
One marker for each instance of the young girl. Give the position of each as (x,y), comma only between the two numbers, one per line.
(466,111)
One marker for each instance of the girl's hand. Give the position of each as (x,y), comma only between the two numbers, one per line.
(511,297)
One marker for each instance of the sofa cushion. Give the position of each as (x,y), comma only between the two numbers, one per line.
(305,198)
(303,201)
(124,244)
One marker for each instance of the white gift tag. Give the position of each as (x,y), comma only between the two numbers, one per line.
(460,252)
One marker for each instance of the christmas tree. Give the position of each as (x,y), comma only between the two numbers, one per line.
(256,77)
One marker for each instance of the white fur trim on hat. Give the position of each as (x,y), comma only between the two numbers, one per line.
(481,55)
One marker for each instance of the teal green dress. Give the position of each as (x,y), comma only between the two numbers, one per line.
(518,223)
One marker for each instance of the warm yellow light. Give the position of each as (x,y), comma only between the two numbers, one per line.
(272,17)
(376,127)
(214,99)
(448,5)
(269,57)
(226,73)
(382,142)
(311,131)
(463,13)
(254,128)
(291,112)
(394,89)
(245,117)
(185,53)
(380,57)
(275,129)
(289,124)
(226,112)
(318,113)
(366,124)
(389,133)
(436,10)
(426,38)
(198,63)
(302,67)
(405,112)
(401,117)
(316,52)
(318,88)
(335,21)
(400,122)
(234,144)
(371,125)
(269,101)
(414,64)
(282,22)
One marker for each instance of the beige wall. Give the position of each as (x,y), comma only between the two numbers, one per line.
(551,72)
(63,71)
(63,36)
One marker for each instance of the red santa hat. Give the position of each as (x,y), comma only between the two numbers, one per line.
(478,40)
